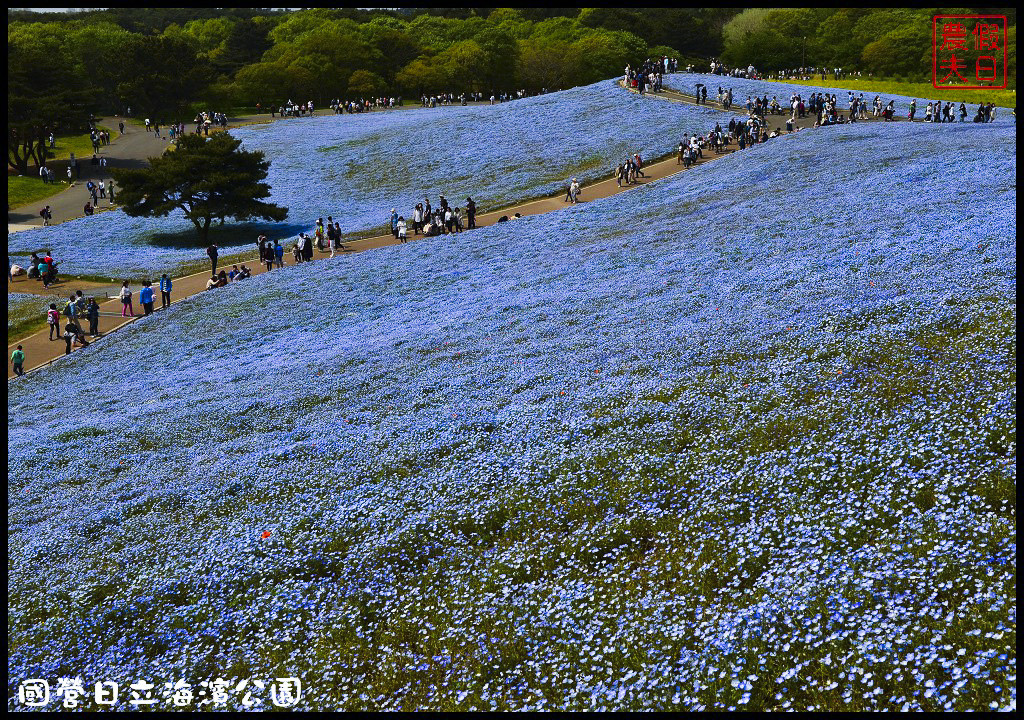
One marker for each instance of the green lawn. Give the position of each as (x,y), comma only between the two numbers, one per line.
(25,189)
(26,314)
(924,91)
(80,145)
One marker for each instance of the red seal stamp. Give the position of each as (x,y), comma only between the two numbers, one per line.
(969,51)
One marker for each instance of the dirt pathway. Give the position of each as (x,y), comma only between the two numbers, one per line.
(40,351)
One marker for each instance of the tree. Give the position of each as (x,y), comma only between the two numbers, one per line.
(42,95)
(366,83)
(163,75)
(207,179)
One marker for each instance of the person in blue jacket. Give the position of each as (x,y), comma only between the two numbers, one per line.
(146,297)
(165,290)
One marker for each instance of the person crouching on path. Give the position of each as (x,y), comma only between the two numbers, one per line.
(70,335)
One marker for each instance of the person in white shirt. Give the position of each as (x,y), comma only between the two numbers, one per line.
(401,231)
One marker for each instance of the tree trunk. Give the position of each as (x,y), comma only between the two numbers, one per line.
(203,228)
(16,160)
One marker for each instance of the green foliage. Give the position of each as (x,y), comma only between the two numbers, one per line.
(365,82)
(208,179)
(41,95)
(161,60)
(892,42)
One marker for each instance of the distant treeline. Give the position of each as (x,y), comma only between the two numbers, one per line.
(894,43)
(165,61)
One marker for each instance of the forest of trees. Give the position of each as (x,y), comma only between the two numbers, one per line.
(894,43)
(164,62)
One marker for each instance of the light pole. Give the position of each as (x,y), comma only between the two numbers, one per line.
(803,53)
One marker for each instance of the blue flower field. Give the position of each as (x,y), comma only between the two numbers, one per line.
(357,167)
(741,438)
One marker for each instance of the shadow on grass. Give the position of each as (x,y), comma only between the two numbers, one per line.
(226,236)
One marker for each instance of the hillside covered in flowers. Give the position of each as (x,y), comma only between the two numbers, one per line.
(741,438)
(357,167)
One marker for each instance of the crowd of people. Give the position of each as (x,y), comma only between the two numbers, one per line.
(649,74)
(365,104)
(428,220)
(43,269)
(431,221)
(292,109)
(204,122)
(828,111)
(717,67)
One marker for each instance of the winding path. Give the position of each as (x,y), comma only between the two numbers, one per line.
(40,351)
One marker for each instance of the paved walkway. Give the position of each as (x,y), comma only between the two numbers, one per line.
(40,351)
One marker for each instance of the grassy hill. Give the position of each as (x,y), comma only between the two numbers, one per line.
(742,438)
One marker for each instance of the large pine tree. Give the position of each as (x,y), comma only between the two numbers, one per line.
(208,179)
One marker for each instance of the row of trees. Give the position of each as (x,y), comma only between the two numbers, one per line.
(159,61)
(887,42)
(162,62)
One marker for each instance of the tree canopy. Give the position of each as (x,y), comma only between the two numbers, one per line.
(207,179)
(168,62)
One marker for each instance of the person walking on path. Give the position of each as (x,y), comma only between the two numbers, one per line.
(93,313)
(212,253)
(18,360)
(165,291)
(146,297)
(278,254)
(574,191)
(81,306)
(470,214)
(53,320)
(71,311)
(401,227)
(126,300)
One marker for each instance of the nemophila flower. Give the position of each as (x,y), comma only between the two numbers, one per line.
(471,535)
(356,167)
(23,307)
